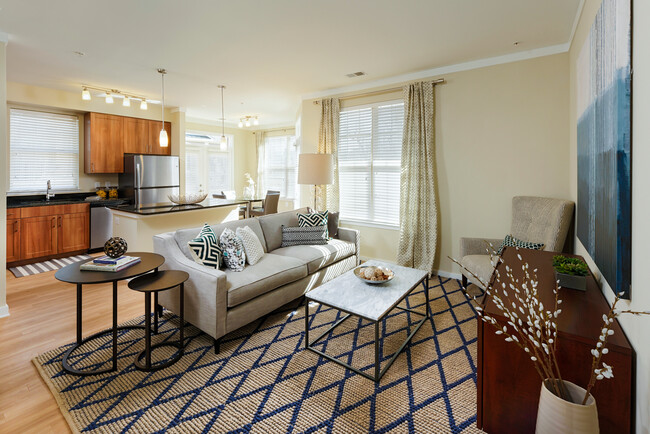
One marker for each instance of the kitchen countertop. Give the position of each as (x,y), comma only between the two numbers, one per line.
(206,204)
(62,199)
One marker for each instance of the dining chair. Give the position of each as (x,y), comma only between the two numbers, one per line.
(269,205)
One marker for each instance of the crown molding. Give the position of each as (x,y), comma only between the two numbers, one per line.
(576,20)
(213,122)
(428,73)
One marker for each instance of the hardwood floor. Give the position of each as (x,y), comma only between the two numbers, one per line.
(42,317)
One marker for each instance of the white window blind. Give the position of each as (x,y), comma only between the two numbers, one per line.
(207,167)
(280,170)
(43,146)
(370,150)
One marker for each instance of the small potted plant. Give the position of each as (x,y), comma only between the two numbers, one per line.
(571,272)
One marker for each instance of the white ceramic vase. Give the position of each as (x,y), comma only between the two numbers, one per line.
(556,415)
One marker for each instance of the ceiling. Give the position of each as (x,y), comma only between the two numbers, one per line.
(267,53)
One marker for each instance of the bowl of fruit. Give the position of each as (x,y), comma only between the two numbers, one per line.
(374,274)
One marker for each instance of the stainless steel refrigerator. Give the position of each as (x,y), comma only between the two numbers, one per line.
(148,180)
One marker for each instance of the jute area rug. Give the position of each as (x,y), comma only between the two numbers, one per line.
(264,381)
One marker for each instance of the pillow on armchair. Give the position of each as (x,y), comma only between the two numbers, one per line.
(510,241)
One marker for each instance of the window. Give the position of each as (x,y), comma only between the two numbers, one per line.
(43,146)
(280,170)
(207,166)
(370,152)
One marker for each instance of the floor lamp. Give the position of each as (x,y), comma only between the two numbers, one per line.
(315,169)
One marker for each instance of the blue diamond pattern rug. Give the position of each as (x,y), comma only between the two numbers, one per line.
(264,380)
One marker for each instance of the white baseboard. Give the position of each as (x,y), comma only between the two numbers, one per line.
(440,273)
(4,311)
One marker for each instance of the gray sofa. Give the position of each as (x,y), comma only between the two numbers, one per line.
(221,301)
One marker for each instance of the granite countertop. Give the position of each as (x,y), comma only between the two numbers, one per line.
(60,199)
(164,209)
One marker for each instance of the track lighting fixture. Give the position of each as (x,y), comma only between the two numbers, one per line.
(85,94)
(109,98)
(111,94)
(248,120)
(126,102)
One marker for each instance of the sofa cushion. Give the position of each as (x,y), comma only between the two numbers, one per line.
(182,236)
(479,265)
(271,272)
(317,257)
(272,226)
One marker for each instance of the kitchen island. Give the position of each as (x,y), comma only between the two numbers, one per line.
(138,225)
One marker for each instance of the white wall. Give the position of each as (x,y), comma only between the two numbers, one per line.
(636,328)
(4,309)
(501,131)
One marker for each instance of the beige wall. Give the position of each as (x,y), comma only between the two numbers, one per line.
(22,95)
(636,328)
(4,310)
(501,131)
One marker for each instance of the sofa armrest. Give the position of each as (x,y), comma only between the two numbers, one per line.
(477,246)
(206,290)
(353,236)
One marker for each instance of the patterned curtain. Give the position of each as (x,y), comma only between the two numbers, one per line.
(418,194)
(259,141)
(328,136)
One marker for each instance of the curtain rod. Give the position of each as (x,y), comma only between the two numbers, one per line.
(380,92)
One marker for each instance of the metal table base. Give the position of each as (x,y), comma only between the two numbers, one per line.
(378,373)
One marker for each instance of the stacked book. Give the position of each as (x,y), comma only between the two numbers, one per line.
(106,263)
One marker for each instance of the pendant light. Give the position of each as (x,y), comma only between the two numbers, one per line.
(224,141)
(163,140)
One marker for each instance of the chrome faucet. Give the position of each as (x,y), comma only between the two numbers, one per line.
(48,195)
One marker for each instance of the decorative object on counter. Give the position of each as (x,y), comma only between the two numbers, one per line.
(374,274)
(101,193)
(115,247)
(188,198)
(119,265)
(533,328)
(44,267)
(249,190)
(570,272)
(112,193)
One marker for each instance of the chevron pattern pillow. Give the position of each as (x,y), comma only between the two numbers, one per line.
(510,241)
(301,236)
(314,219)
(205,248)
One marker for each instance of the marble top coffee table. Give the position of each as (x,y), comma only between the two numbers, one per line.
(371,302)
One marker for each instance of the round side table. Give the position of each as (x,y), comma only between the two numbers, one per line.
(73,274)
(154,283)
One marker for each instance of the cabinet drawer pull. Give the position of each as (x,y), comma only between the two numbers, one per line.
(60,219)
(16,226)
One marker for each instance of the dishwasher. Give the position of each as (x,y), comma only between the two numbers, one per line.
(101,223)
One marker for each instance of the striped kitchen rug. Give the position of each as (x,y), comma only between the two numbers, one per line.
(44,267)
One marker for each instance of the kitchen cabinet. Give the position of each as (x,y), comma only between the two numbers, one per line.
(136,136)
(37,237)
(13,240)
(42,232)
(154,137)
(104,143)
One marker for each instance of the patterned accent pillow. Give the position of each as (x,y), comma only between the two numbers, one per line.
(232,247)
(510,241)
(333,224)
(301,236)
(205,249)
(314,219)
(252,245)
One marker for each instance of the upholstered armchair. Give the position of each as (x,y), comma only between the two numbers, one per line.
(534,219)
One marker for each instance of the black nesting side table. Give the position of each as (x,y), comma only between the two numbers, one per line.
(154,283)
(73,274)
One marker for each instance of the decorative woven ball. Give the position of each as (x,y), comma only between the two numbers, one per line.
(115,247)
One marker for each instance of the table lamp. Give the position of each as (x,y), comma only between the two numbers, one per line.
(315,169)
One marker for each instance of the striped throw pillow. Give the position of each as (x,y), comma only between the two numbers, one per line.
(510,241)
(300,236)
(314,219)
(205,249)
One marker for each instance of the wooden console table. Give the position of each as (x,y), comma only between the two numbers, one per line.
(508,385)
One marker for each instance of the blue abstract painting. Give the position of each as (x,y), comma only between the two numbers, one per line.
(604,215)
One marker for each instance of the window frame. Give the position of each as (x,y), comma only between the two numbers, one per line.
(373,106)
(79,153)
(285,168)
(204,160)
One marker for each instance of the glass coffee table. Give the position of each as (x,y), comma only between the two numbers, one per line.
(349,294)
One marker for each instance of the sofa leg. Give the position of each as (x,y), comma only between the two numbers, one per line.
(463,280)
(217,345)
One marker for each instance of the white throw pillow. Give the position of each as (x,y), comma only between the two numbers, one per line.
(252,245)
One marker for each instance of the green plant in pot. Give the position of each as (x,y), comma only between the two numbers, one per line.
(571,272)
(564,407)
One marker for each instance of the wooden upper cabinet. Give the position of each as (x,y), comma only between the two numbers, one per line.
(136,136)
(154,137)
(104,143)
